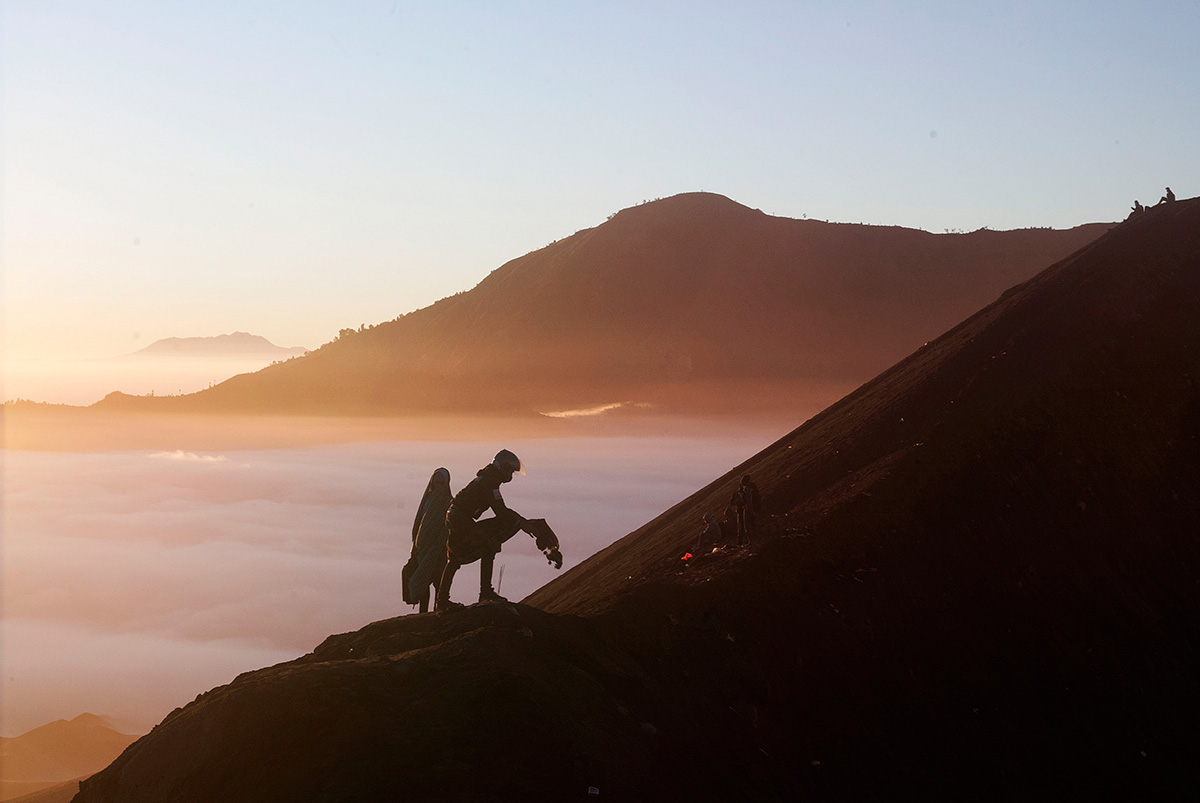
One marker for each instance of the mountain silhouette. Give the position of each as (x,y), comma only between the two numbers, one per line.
(682,302)
(237,344)
(63,750)
(975,577)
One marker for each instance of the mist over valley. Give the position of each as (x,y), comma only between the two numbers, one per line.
(136,580)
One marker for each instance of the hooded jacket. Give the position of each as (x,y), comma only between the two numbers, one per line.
(481,493)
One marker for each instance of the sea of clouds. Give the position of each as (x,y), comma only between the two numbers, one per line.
(134,581)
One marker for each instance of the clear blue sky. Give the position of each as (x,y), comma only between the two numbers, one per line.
(292,168)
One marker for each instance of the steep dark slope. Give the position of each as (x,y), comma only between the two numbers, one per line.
(983,567)
(693,291)
(978,577)
(1106,336)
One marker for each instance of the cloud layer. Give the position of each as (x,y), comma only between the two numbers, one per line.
(136,580)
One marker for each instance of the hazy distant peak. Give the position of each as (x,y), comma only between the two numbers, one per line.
(237,344)
(58,752)
(77,725)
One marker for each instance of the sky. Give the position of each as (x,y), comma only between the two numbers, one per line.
(294,168)
(134,581)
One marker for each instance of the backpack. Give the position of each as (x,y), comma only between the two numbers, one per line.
(406,574)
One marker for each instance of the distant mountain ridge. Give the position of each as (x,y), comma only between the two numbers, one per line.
(237,344)
(59,751)
(684,302)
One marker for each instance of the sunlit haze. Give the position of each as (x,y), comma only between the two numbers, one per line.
(294,168)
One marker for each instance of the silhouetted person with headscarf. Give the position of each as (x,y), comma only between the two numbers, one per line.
(471,540)
(1169,198)
(428,560)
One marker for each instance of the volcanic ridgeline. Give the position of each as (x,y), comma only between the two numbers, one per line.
(681,302)
(977,576)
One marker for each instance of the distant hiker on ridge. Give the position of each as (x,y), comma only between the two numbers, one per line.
(1169,198)
(428,558)
(470,540)
(746,502)
(1137,208)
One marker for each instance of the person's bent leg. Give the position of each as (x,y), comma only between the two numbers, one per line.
(436,582)
(486,565)
(460,530)
(486,592)
(443,593)
(491,533)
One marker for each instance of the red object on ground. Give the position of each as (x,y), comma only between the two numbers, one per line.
(687,556)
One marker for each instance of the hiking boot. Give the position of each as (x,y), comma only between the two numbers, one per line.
(490,595)
(446,605)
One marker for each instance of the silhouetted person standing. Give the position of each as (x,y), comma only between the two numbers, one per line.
(471,540)
(746,501)
(428,559)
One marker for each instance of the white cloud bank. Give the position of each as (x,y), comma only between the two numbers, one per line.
(133,581)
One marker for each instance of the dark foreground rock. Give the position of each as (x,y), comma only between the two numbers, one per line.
(977,577)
